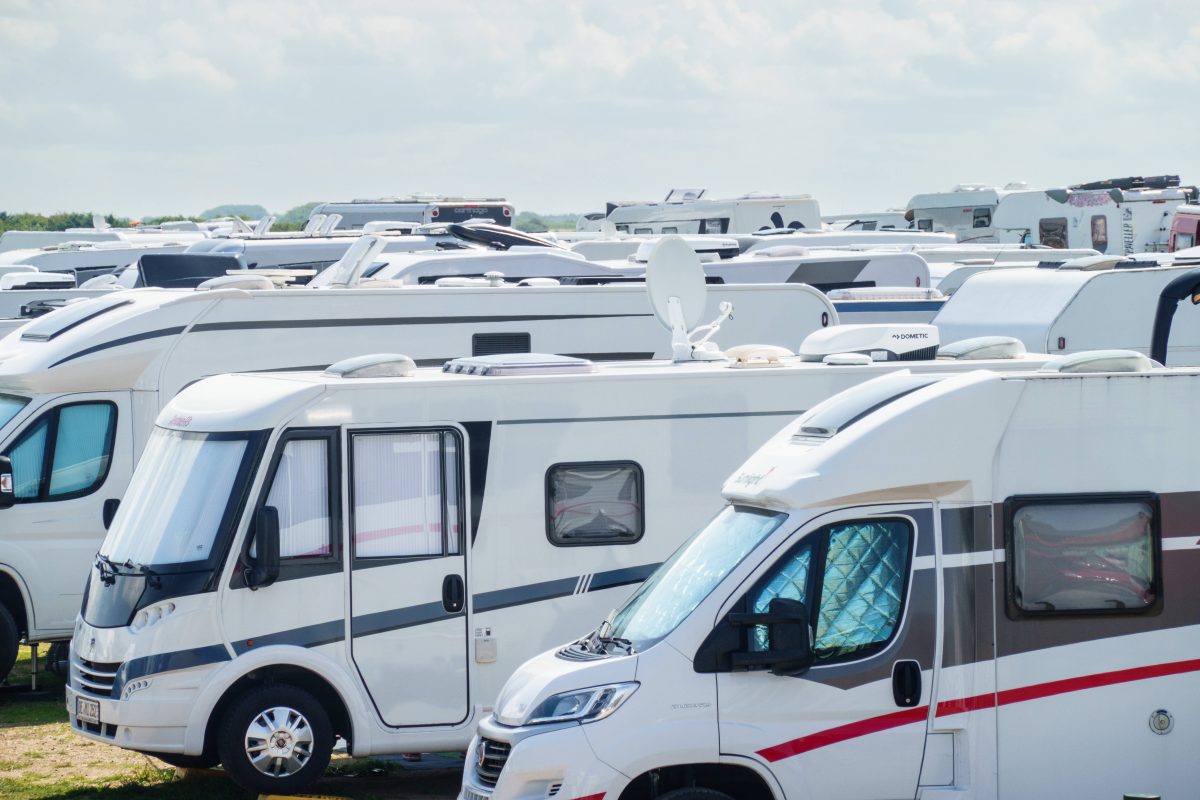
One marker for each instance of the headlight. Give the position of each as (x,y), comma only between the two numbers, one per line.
(583,705)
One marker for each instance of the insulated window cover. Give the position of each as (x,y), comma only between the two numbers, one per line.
(862,589)
(300,493)
(398,497)
(1086,556)
(594,503)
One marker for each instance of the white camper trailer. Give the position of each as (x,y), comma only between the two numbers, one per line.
(434,529)
(80,387)
(420,209)
(690,211)
(965,211)
(1002,611)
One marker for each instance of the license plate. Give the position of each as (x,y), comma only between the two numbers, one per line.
(87,710)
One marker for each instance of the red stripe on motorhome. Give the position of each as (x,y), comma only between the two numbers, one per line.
(978,702)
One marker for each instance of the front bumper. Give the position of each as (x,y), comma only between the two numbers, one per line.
(156,727)
(540,761)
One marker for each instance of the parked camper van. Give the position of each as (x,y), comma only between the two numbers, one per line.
(1002,610)
(417,208)
(80,387)
(434,529)
(965,211)
(1185,228)
(690,211)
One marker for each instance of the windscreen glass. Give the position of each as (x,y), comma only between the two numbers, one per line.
(174,508)
(682,583)
(9,406)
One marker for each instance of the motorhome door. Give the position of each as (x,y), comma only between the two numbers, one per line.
(408,579)
(853,725)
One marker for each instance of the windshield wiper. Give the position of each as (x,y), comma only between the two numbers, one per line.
(150,575)
(108,570)
(598,641)
(616,641)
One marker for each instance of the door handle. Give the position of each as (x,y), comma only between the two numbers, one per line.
(454,594)
(906,683)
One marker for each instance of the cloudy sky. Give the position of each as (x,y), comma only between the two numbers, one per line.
(142,108)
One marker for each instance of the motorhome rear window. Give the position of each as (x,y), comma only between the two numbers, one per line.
(595,503)
(68,317)
(1082,555)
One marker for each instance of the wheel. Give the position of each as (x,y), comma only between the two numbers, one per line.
(694,793)
(10,638)
(186,762)
(275,740)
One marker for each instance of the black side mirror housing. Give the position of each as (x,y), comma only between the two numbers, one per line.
(8,484)
(109,512)
(263,569)
(790,652)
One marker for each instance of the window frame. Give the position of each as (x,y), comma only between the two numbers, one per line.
(360,562)
(1016,502)
(817,565)
(1103,219)
(332,471)
(986,216)
(614,464)
(54,413)
(1055,221)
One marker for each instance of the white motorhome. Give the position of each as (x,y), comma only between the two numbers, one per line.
(1002,611)
(88,259)
(168,232)
(434,530)
(965,211)
(690,211)
(80,387)
(417,208)
(1086,304)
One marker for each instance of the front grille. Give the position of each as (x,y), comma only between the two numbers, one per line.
(103,729)
(490,760)
(95,677)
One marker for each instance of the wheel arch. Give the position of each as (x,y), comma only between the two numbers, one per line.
(745,781)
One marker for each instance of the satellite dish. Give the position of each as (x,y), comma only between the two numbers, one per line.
(678,295)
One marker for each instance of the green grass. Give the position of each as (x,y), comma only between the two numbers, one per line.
(18,711)
(146,782)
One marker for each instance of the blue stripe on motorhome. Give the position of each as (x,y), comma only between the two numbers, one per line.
(620,577)
(397,618)
(167,662)
(875,306)
(308,636)
(521,595)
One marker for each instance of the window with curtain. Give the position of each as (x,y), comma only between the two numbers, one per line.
(594,503)
(300,493)
(406,494)
(64,453)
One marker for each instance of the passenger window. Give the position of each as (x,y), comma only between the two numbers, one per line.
(1053,232)
(300,493)
(1099,232)
(65,453)
(401,503)
(858,571)
(925,225)
(667,230)
(1184,240)
(1072,556)
(594,503)
(981,218)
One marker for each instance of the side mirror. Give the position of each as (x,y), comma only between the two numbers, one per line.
(263,569)
(109,512)
(8,488)
(790,650)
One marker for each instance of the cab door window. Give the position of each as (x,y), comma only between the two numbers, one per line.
(65,453)
(852,577)
(302,493)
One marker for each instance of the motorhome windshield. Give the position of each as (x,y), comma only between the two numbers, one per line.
(179,501)
(682,583)
(10,404)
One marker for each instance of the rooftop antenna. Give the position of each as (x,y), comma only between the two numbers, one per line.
(264,225)
(99,222)
(331,222)
(349,268)
(314,224)
(239,225)
(678,294)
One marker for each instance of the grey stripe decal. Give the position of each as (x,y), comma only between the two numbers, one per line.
(166,662)
(643,417)
(521,595)
(118,342)
(308,636)
(385,321)
(620,577)
(397,618)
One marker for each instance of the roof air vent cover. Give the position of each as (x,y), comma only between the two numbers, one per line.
(1100,361)
(982,347)
(377,365)
(519,364)
(888,342)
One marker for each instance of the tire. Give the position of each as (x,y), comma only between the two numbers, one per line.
(250,725)
(186,762)
(10,639)
(694,793)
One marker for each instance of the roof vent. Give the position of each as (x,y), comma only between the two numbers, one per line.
(378,365)
(982,347)
(389,226)
(887,342)
(847,360)
(1094,263)
(540,282)
(519,364)
(885,293)
(236,282)
(37,280)
(1100,361)
(752,356)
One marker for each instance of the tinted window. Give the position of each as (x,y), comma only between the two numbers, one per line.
(981,218)
(9,406)
(1184,241)
(1053,232)
(594,503)
(65,453)
(1080,556)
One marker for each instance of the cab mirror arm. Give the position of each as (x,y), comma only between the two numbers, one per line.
(263,568)
(790,653)
(8,486)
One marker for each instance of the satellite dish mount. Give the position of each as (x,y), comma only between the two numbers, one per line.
(675,282)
